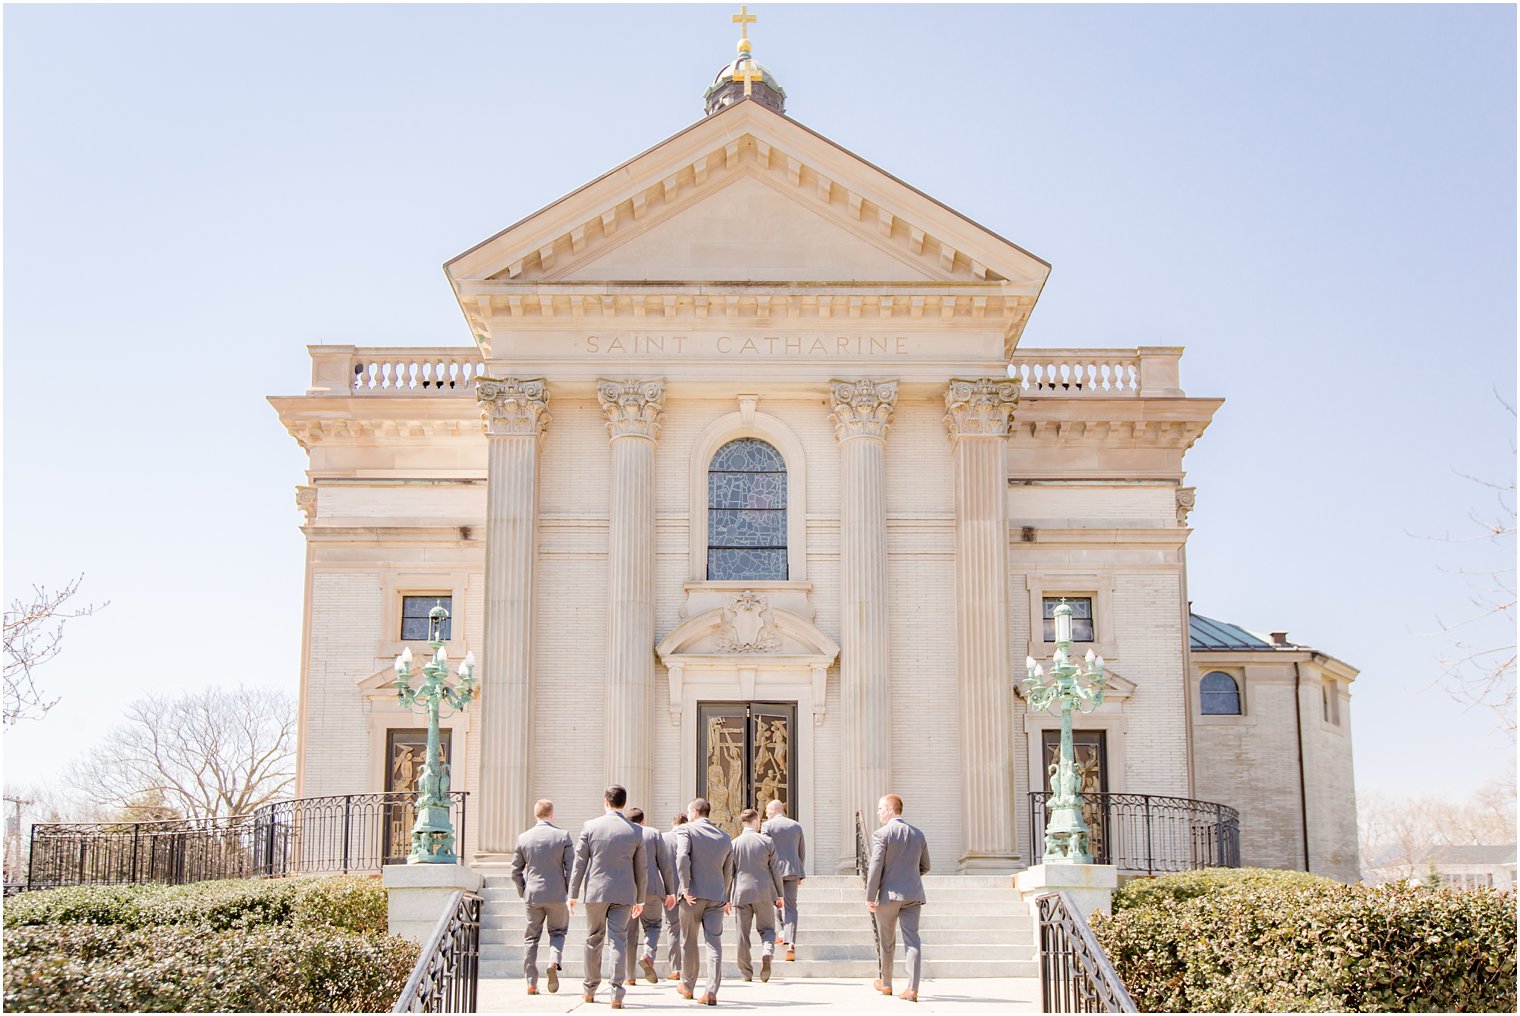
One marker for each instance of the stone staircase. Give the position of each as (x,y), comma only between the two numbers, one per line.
(972,926)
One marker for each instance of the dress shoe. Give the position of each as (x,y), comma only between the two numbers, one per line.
(909,995)
(588,998)
(884,989)
(674,975)
(649,975)
(791,955)
(745,978)
(681,990)
(617,1003)
(553,978)
(765,967)
(709,999)
(532,990)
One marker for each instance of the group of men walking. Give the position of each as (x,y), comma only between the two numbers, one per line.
(635,882)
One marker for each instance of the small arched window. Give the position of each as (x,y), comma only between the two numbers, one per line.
(746,512)
(1219,694)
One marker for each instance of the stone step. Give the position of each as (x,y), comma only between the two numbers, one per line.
(844,882)
(826,951)
(969,914)
(572,976)
(860,934)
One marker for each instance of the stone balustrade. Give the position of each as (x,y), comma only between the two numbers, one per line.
(1142,372)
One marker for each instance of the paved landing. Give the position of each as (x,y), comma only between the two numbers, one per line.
(953,995)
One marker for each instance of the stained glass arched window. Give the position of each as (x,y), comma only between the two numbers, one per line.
(746,512)
(1219,695)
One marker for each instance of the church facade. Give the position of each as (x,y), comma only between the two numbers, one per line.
(746,488)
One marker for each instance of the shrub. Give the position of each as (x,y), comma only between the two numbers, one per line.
(1142,892)
(1293,945)
(80,967)
(349,902)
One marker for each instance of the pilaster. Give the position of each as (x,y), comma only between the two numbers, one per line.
(862,412)
(978,414)
(634,409)
(515,418)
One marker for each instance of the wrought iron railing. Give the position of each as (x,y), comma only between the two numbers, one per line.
(863,869)
(447,975)
(1147,834)
(1075,973)
(309,835)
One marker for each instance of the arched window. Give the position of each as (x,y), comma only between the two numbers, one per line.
(1219,694)
(746,512)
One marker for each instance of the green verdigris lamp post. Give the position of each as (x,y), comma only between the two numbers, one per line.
(433,833)
(1066,833)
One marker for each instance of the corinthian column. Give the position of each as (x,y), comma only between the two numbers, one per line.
(515,420)
(633,411)
(862,412)
(978,414)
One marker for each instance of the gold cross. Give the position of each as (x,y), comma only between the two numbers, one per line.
(747,71)
(743,19)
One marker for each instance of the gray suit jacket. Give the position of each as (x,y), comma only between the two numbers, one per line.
(791,845)
(899,856)
(609,861)
(704,861)
(659,864)
(541,864)
(757,876)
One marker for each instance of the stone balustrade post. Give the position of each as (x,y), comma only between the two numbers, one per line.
(1160,371)
(634,409)
(862,411)
(332,370)
(515,416)
(978,414)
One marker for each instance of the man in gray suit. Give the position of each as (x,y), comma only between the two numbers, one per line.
(673,915)
(609,863)
(541,871)
(791,854)
(895,891)
(757,892)
(660,887)
(705,873)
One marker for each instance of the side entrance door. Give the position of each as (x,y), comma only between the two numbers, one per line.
(746,757)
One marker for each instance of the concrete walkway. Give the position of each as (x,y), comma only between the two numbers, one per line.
(953,995)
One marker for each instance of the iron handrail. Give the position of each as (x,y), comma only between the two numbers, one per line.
(447,975)
(862,868)
(340,833)
(1075,973)
(1149,834)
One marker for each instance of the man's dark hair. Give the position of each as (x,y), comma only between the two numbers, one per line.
(680,818)
(616,796)
(636,816)
(747,816)
(701,807)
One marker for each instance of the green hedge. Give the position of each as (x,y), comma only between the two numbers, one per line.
(184,968)
(1255,944)
(1142,892)
(350,902)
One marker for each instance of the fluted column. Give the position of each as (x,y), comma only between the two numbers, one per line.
(978,414)
(862,411)
(634,409)
(515,420)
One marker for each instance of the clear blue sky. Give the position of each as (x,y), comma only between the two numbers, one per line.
(1319,203)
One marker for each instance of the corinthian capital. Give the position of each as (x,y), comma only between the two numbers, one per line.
(634,408)
(980,408)
(512,407)
(862,408)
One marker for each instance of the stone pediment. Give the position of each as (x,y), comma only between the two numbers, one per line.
(745,196)
(747,630)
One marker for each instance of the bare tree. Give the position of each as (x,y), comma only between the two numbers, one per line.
(206,754)
(1397,833)
(1479,667)
(33,636)
(26,805)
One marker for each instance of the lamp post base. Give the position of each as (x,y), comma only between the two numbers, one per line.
(1090,885)
(416,895)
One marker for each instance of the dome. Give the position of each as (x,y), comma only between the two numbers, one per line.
(727,87)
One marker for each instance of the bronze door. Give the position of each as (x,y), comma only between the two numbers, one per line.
(1090,754)
(405,754)
(746,757)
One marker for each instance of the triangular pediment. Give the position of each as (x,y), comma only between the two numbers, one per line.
(746,195)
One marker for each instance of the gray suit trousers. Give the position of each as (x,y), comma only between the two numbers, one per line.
(647,927)
(705,917)
(604,921)
(673,936)
(789,910)
(890,914)
(764,917)
(557,917)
